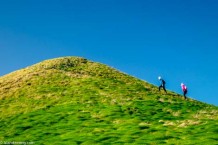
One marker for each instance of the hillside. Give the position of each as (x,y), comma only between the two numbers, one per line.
(72,100)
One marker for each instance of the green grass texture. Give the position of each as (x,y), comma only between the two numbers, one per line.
(74,101)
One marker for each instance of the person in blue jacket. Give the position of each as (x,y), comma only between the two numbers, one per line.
(162,85)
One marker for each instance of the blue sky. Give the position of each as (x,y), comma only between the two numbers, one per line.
(144,38)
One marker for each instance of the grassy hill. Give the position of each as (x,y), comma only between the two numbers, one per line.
(72,100)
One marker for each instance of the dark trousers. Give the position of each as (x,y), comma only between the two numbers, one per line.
(184,93)
(162,86)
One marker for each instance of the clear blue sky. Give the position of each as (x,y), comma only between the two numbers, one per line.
(176,39)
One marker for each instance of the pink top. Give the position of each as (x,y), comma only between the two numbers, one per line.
(183,87)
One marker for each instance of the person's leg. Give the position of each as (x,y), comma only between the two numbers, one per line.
(184,94)
(164,89)
(160,87)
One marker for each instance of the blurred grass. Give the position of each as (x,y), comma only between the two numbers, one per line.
(72,100)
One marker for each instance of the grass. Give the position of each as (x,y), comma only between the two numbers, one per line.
(72,100)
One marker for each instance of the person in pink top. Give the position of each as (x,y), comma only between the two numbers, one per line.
(184,89)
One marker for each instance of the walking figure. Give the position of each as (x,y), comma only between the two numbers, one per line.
(184,89)
(162,85)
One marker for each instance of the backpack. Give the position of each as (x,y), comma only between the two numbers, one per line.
(163,82)
(186,89)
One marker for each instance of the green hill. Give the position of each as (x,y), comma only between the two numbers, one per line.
(72,100)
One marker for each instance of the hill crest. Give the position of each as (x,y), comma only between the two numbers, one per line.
(73,100)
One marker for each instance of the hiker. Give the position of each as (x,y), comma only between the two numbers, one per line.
(184,89)
(162,85)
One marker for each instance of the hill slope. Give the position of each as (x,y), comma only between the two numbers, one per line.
(71,100)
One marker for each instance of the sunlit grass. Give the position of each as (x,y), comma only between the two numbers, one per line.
(75,101)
